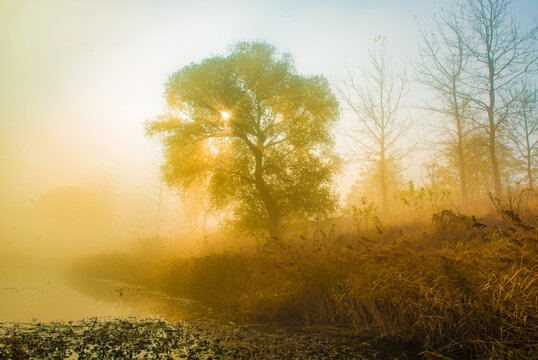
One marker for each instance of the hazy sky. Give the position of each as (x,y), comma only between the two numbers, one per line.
(78,79)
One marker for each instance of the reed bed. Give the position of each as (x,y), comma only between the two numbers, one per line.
(456,289)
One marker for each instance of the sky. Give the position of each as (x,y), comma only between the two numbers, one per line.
(78,79)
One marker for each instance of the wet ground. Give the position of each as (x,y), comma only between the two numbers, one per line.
(159,339)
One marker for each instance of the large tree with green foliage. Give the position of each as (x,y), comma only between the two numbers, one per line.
(255,132)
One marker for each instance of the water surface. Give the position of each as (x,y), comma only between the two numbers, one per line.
(45,294)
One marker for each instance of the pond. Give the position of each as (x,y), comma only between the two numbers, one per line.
(46,294)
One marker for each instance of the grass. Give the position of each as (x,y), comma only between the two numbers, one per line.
(458,288)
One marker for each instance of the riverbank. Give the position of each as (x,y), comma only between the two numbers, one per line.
(457,289)
(38,320)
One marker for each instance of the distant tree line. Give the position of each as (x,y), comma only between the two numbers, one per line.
(481,67)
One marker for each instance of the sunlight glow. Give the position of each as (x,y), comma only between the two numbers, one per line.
(225,115)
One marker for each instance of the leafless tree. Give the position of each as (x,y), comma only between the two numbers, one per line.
(374,96)
(524,129)
(501,55)
(441,68)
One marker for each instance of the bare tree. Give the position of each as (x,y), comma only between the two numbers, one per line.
(441,68)
(524,129)
(501,57)
(374,96)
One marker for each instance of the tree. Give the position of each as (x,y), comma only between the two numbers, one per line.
(477,162)
(367,183)
(374,97)
(195,207)
(441,68)
(501,57)
(524,130)
(258,131)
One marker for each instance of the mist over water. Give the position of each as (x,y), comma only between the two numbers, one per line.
(31,292)
(40,292)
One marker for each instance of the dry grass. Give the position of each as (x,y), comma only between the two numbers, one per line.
(456,288)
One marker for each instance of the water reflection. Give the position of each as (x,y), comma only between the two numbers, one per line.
(46,294)
(154,303)
(42,294)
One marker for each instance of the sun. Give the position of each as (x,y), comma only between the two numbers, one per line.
(225,115)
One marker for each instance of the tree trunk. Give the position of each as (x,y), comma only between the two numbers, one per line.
(461,160)
(529,167)
(273,214)
(491,119)
(383,180)
(528,147)
(493,157)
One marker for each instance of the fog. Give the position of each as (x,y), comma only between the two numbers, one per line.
(268,179)
(80,79)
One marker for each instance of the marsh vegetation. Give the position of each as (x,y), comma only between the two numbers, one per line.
(455,287)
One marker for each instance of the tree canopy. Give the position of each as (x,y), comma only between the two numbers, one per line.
(256,133)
